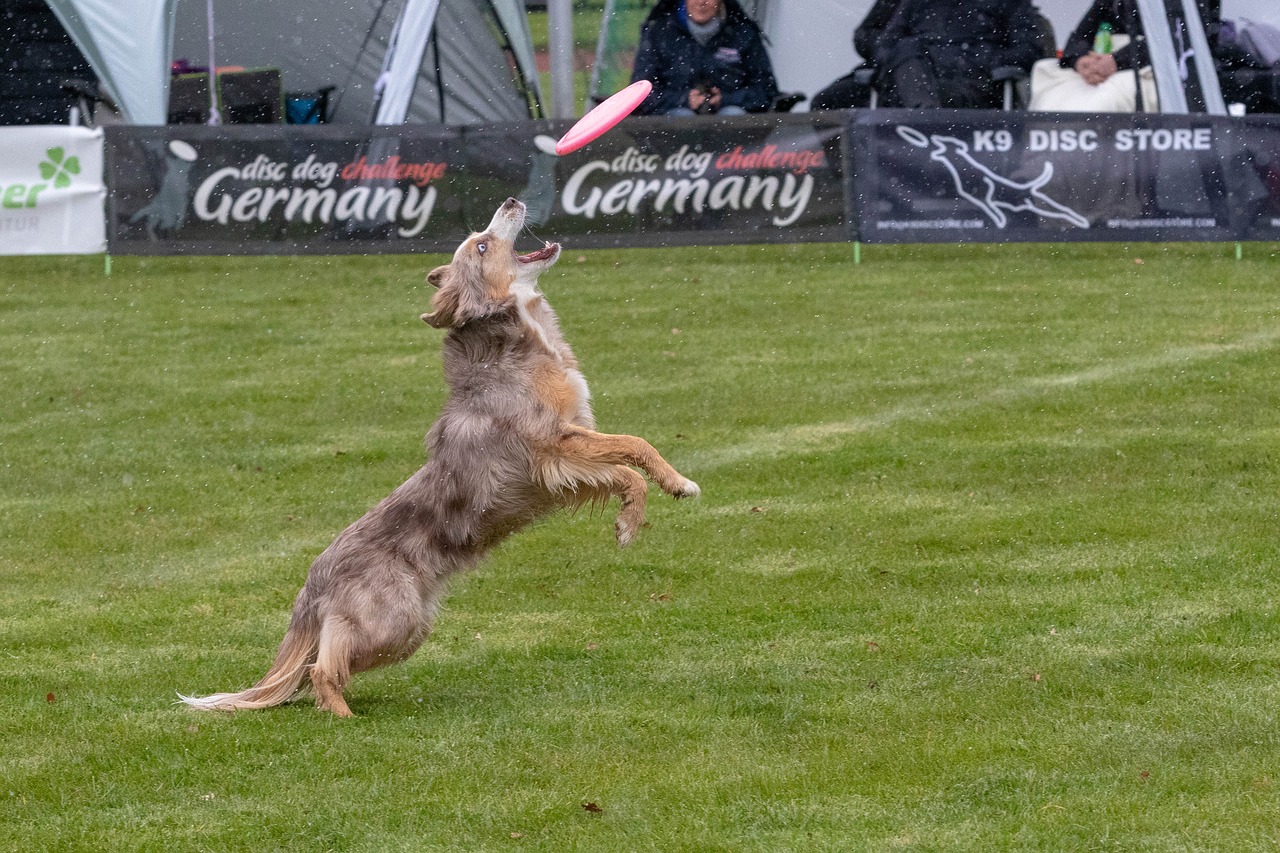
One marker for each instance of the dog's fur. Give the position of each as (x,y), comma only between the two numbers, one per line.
(516,440)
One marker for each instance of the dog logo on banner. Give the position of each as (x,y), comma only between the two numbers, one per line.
(995,195)
(167,212)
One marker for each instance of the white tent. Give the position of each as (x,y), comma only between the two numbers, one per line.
(450,61)
(127,44)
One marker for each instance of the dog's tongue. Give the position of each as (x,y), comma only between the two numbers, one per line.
(540,255)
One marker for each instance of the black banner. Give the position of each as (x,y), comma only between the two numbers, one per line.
(752,179)
(955,176)
(340,189)
(1257,176)
(910,176)
(270,189)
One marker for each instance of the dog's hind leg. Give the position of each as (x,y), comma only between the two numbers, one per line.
(332,669)
(580,448)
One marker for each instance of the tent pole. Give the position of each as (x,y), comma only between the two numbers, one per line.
(364,45)
(560,57)
(435,49)
(215,117)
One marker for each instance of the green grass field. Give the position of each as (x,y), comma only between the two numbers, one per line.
(986,558)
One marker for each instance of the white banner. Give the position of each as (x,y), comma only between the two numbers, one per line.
(52,191)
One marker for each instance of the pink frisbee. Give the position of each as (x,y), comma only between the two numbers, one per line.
(607,113)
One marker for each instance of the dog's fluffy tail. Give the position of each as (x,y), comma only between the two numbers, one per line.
(296,655)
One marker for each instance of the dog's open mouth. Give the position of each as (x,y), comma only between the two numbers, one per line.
(542,254)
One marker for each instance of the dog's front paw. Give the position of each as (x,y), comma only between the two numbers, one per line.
(688,490)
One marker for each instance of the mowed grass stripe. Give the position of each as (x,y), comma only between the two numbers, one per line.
(808,438)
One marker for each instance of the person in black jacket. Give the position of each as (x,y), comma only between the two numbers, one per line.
(848,92)
(703,56)
(941,53)
(1122,16)
(1242,78)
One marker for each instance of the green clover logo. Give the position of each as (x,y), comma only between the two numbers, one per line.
(58,169)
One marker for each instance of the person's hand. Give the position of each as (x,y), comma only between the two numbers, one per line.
(1096,68)
(701,101)
(1105,66)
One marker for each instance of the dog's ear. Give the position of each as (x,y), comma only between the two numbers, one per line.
(444,310)
(458,302)
(436,277)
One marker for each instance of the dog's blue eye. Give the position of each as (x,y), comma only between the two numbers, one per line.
(482,247)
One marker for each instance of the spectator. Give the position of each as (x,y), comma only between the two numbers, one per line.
(703,56)
(847,92)
(1093,81)
(1247,67)
(941,53)
(1086,80)
(1122,16)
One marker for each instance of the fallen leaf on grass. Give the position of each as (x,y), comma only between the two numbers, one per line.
(593,808)
(873,646)
(49,698)
(517,835)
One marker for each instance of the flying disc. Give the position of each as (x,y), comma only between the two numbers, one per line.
(607,113)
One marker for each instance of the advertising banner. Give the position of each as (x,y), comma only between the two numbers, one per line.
(331,189)
(52,192)
(1256,187)
(753,179)
(883,176)
(269,189)
(959,175)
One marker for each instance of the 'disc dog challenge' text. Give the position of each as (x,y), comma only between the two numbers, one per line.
(696,181)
